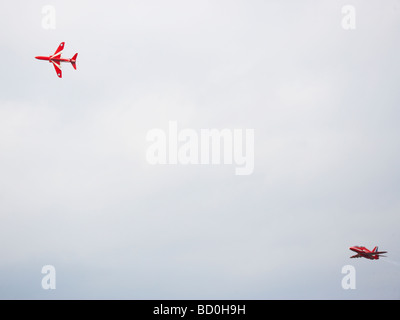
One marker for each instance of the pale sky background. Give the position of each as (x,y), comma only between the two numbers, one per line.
(77,193)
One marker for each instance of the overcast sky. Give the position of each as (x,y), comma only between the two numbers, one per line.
(76,191)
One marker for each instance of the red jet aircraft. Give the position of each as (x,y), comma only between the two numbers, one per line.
(363,252)
(56,59)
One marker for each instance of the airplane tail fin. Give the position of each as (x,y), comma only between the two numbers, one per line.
(375,249)
(73,60)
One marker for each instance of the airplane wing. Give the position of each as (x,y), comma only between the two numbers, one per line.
(356,256)
(57,67)
(374,253)
(59,50)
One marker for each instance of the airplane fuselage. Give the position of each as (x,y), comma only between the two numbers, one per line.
(53,59)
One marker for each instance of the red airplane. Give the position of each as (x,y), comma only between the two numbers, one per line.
(56,59)
(363,252)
